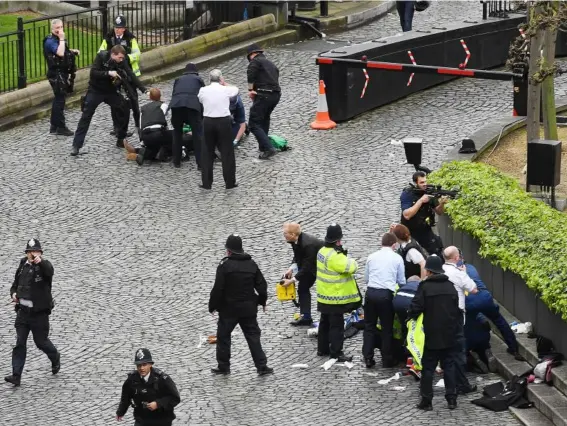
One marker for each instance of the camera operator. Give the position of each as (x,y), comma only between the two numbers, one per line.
(418,213)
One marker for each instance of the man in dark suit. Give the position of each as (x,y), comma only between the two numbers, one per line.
(305,248)
(186,109)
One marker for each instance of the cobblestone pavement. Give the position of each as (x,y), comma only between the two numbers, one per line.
(135,251)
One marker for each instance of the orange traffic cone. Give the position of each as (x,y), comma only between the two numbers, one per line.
(322,119)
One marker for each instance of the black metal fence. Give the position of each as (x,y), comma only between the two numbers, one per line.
(501,9)
(154,23)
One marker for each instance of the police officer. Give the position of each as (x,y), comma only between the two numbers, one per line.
(239,289)
(155,135)
(337,293)
(265,92)
(106,76)
(418,213)
(150,391)
(186,109)
(31,291)
(61,69)
(121,36)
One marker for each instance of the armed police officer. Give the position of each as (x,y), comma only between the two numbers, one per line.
(107,74)
(31,291)
(150,391)
(265,92)
(337,293)
(121,36)
(418,213)
(61,69)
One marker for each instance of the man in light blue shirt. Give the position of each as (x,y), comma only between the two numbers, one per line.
(384,271)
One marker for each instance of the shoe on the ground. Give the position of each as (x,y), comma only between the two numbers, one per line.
(452,403)
(204,187)
(64,131)
(465,390)
(232,186)
(74,151)
(267,154)
(322,353)
(342,358)
(302,321)
(140,156)
(128,134)
(415,373)
(425,405)
(176,165)
(56,366)
(222,371)
(516,355)
(265,370)
(52,130)
(369,362)
(492,363)
(120,144)
(14,379)
(113,133)
(479,363)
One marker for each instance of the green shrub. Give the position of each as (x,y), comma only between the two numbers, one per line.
(515,231)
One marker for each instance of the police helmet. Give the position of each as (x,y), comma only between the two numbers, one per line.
(334,233)
(33,245)
(143,356)
(120,22)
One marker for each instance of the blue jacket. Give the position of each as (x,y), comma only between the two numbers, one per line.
(404,296)
(483,299)
(477,332)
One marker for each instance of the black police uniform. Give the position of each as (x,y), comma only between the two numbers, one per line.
(420,224)
(186,109)
(264,75)
(156,139)
(411,268)
(61,75)
(32,283)
(138,392)
(239,289)
(102,88)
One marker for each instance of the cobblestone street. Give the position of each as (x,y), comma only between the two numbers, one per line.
(135,251)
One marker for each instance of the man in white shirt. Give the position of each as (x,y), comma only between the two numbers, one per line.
(217,124)
(462,282)
(384,271)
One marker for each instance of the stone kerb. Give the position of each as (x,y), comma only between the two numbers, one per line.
(40,93)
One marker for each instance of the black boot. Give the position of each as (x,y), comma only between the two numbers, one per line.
(342,358)
(452,403)
(302,321)
(369,362)
(262,371)
(14,379)
(56,366)
(223,371)
(64,131)
(425,405)
(140,156)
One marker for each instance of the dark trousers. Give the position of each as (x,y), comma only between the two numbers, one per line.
(156,139)
(405,10)
(57,119)
(251,331)
(460,360)
(92,101)
(192,117)
(38,324)
(218,133)
(259,121)
(153,423)
(429,362)
(304,294)
(378,304)
(500,322)
(331,334)
(133,105)
(428,240)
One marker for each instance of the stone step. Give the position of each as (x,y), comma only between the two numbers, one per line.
(530,417)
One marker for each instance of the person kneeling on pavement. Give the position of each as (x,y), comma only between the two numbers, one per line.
(156,137)
(477,333)
(402,301)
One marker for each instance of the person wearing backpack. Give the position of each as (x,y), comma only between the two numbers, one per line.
(410,250)
(151,392)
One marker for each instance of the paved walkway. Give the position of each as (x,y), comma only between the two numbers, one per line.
(135,251)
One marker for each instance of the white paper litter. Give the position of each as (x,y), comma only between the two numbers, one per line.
(396,142)
(440,384)
(202,339)
(312,332)
(299,366)
(371,374)
(522,328)
(386,381)
(399,388)
(537,381)
(329,363)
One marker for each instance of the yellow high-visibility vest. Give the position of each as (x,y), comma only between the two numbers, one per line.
(335,278)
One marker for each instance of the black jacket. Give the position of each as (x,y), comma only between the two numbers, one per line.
(239,287)
(126,41)
(159,388)
(305,255)
(437,300)
(263,74)
(185,91)
(40,284)
(101,83)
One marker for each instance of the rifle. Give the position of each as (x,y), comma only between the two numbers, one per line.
(436,191)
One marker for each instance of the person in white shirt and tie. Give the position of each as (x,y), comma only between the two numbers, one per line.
(217,125)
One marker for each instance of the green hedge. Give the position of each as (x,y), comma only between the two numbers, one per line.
(515,231)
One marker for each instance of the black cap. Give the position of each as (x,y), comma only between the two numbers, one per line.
(191,67)
(467,147)
(434,264)
(234,243)
(143,356)
(33,245)
(120,22)
(334,233)
(254,48)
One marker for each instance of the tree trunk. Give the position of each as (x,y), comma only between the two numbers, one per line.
(548,86)
(534,89)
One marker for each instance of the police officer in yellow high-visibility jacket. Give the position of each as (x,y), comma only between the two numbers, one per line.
(337,293)
(123,37)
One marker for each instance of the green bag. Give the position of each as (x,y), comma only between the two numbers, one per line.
(279,143)
(186,128)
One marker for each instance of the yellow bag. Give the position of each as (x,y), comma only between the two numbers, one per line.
(285,293)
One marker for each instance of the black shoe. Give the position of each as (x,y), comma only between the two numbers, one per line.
(369,362)
(479,363)
(247,131)
(218,370)
(464,391)
(14,379)
(232,186)
(302,321)
(342,358)
(140,156)
(56,366)
(74,151)
(64,131)
(113,133)
(53,130)
(265,370)
(204,187)
(120,143)
(425,405)
(267,154)
(516,354)
(320,353)
(452,403)
(492,363)
(129,134)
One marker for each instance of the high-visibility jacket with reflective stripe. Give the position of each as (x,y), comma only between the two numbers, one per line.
(335,278)
(133,51)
